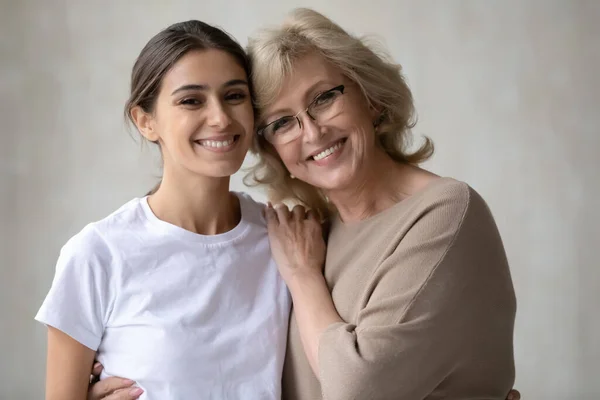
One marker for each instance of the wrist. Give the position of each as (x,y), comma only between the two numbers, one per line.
(306,279)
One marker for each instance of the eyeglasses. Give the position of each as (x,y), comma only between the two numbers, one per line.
(323,108)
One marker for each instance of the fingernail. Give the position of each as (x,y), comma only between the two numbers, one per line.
(96,365)
(128,381)
(135,392)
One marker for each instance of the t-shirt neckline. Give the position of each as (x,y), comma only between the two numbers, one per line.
(222,238)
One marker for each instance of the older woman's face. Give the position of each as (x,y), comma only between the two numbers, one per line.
(328,146)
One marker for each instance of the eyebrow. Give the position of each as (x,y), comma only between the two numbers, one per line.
(311,90)
(233,82)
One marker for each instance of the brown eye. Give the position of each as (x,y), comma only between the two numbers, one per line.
(281,124)
(325,99)
(236,98)
(190,102)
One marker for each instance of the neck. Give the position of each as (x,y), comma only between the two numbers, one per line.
(202,205)
(373,191)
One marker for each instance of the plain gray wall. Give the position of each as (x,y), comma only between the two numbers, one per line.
(508,90)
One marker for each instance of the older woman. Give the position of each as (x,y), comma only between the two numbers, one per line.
(416,299)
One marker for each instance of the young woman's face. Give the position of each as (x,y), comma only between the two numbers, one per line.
(203,118)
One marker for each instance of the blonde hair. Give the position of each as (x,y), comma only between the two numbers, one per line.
(273,52)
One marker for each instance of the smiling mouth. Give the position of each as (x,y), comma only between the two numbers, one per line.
(335,147)
(218,144)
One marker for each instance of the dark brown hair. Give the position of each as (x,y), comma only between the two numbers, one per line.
(162,52)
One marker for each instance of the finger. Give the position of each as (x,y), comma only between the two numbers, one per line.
(107,386)
(311,215)
(125,394)
(283,214)
(299,213)
(97,369)
(514,395)
(271,215)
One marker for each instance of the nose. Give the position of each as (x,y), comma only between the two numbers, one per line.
(312,130)
(217,115)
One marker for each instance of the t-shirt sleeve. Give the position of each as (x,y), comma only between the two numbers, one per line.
(78,301)
(441,298)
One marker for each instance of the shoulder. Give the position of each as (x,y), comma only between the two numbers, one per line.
(130,215)
(252,210)
(84,255)
(456,217)
(100,241)
(446,192)
(438,213)
(448,202)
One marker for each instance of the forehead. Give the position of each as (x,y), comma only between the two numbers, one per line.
(212,67)
(310,73)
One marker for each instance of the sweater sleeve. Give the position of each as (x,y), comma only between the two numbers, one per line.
(432,310)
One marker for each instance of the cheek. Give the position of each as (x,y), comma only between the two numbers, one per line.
(244,115)
(357,116)
(177,124)
(361,133)
(363,139)
(289,155)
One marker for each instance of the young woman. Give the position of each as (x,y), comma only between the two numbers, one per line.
(176,290)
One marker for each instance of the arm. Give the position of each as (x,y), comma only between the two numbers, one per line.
(66,376)
(75,311)
(316,318)
(67,368)
(299,233)
(314,311)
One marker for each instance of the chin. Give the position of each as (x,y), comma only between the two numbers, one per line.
(334,181)
(226,170)
(220,169)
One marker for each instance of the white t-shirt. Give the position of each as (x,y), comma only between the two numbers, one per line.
(186,316)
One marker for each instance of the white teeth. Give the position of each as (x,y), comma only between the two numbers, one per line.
(215,143)
(328,152)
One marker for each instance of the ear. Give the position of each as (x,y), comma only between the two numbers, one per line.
(376,113)
(145,123)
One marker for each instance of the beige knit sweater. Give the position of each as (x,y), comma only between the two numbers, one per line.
(429,305)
